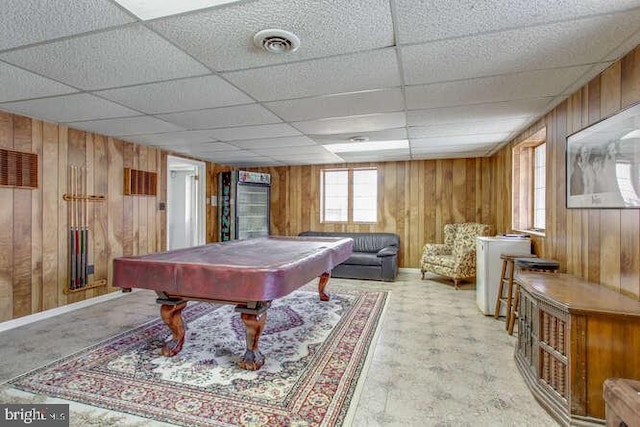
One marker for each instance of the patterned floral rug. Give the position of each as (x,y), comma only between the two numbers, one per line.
(315,354)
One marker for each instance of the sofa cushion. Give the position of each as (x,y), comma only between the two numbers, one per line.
(374,256)
(362,258)
(362,242)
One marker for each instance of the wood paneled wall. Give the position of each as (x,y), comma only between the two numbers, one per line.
(599,245)
(34,223)
(416,199)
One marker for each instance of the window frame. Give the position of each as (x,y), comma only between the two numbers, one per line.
(534,200)
(350,195)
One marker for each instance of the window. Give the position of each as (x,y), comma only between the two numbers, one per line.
(529,184)
(349,195)
(335,190)
(539,186)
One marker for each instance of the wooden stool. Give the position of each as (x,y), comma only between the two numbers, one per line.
(530,264)
(506,277)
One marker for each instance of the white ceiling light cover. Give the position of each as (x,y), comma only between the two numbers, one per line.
(150,9)
(367,146)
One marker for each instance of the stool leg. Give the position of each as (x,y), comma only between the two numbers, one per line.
(496,313)
(509,295)
(514,309)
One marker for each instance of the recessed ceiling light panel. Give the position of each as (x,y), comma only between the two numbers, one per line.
(151,9)
(351,147)
(276,41)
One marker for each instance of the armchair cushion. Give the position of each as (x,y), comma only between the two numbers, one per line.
(432,249)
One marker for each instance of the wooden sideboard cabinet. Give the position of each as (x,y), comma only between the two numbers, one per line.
(572,336)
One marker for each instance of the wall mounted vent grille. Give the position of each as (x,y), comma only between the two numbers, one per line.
(18,169)
(140,183)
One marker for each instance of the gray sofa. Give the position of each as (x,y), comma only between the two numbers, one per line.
(375,255)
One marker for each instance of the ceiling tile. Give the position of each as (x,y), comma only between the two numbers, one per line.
(424,20)
(235,156)
(193,93)
(254,132)
(214,147)
(446,141)
(172,138)
(449,155)
(491,111)
(363,123)
(343,104)
(470,127)
(218,148)
(70,108)
(124,56)
(289,141)
(26,22)
(350,73)
(532,84)
(586,77)
(306,150)
(264,161)
(252,114)
(311,161)
(223,38)
(20,84)
(377,156)
(382,135)
(127,126)
(452,148)
(556,45)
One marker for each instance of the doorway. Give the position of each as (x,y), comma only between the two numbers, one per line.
(185,203)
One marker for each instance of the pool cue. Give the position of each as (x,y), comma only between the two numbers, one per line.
(77,227)
(85,228)
(70,216)
(72,235)
(79,231)
(81,228)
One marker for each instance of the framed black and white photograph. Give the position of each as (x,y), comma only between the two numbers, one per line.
(603,163)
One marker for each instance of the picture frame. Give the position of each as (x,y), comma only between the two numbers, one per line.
(603,163)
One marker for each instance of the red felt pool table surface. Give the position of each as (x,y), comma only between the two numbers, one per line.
(259,269)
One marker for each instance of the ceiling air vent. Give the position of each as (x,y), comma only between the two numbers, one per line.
(276,41)
(18,169)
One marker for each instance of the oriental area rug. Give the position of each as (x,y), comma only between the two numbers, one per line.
(316,359)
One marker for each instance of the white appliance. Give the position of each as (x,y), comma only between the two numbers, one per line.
(489,267)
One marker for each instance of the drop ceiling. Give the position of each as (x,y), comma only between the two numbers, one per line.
(453,79)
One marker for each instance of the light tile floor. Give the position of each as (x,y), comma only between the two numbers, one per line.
(438,360)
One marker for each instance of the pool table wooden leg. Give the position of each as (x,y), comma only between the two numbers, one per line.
(322,283)
(172,316)
(253,359)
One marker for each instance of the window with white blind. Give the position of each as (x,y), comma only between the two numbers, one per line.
(349,195)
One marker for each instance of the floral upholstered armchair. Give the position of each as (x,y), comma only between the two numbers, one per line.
(456,257)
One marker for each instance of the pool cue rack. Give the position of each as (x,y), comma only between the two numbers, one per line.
(78,219)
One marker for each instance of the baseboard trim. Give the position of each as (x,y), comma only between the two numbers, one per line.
(25,320)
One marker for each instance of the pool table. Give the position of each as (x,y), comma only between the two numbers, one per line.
(247,273)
